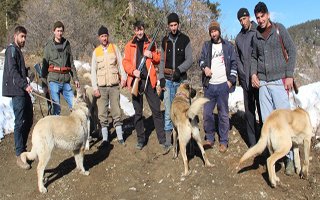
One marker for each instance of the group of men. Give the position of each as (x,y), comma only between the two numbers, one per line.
(265,74)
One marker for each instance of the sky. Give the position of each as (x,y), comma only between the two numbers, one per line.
(287,12)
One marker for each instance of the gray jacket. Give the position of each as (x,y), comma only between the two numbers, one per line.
(243,52)
(267,59)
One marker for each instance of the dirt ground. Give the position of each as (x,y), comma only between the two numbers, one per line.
(123,172)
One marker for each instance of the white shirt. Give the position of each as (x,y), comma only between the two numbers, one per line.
(218,67)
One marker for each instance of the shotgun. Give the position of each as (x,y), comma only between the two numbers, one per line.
(135,85)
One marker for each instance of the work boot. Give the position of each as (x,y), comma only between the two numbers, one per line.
(289,167)
(21,164)
(166,148)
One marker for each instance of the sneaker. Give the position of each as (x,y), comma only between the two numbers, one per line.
(139,145)
(122,142)
(223,148)
(207,144)
(289,167)
(21,164)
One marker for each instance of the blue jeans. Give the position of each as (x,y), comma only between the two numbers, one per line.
(168,96)
(23,114)
(272,95)
(218,95)
(55,90)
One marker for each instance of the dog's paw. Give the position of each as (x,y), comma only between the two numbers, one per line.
(186,173)
(42,189)
(209,165)
(86,173)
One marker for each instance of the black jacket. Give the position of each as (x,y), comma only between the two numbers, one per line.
(14,73)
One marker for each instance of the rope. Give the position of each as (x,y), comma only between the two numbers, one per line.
(38,95)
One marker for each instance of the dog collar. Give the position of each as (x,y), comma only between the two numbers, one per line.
(182,94)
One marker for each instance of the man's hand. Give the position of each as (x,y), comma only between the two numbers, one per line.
(255,81)
(176,75)
(163,83)
(96,93)
(123,83)
(29,89)
(147,53)
(136,73)
(288,85)
(207,72)
(77,84)
(45,90)
(229,84)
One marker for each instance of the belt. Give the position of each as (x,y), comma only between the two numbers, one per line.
(58,69)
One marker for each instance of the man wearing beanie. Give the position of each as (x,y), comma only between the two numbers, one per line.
(134,51)
(176,59)
(107,75)
(272,65)
(250,94)
(58,68)
(219,66)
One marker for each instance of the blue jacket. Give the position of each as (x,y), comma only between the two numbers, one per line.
(229,60)
(15,73)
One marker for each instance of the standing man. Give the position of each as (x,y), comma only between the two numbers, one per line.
(15,85)
(107,74)
(219,66)
(250,94)
(134,51)
(58,68)
(270,72)
(176,59)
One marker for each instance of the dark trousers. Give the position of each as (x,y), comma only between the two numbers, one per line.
(251,103)
(23,113)
(154,104)
(218,95)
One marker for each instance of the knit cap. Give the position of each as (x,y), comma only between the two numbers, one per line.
(242,12)
(103,30)
(214,25)
(173,17)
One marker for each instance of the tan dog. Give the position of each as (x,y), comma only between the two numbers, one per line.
(65,132)
(281,129)
(183,116)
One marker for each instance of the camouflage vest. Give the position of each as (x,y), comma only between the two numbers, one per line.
(107,66)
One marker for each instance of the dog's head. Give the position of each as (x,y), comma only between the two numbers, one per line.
(186,90)
(80,95)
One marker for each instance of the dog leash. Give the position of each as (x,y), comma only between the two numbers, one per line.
(38,95)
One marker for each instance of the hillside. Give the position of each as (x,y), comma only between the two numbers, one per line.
(307,38)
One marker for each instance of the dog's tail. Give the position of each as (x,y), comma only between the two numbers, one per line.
(196,106)
(29,155)
(259,147)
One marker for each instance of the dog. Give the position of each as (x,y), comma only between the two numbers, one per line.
(65,132)
(283,129)
(185,121)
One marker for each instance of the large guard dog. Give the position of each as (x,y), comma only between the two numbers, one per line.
(282,129)
(65,132)
(183,116)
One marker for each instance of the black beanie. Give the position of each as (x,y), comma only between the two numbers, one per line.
(173,17)
(103,30)
(242,12)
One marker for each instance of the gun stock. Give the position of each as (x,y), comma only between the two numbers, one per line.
(135,87)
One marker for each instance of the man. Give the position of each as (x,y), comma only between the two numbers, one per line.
(176,59)
(219,66)
(58,68)
(107,74)
(134,51)
(269,70)
(15,85)
(250,94)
